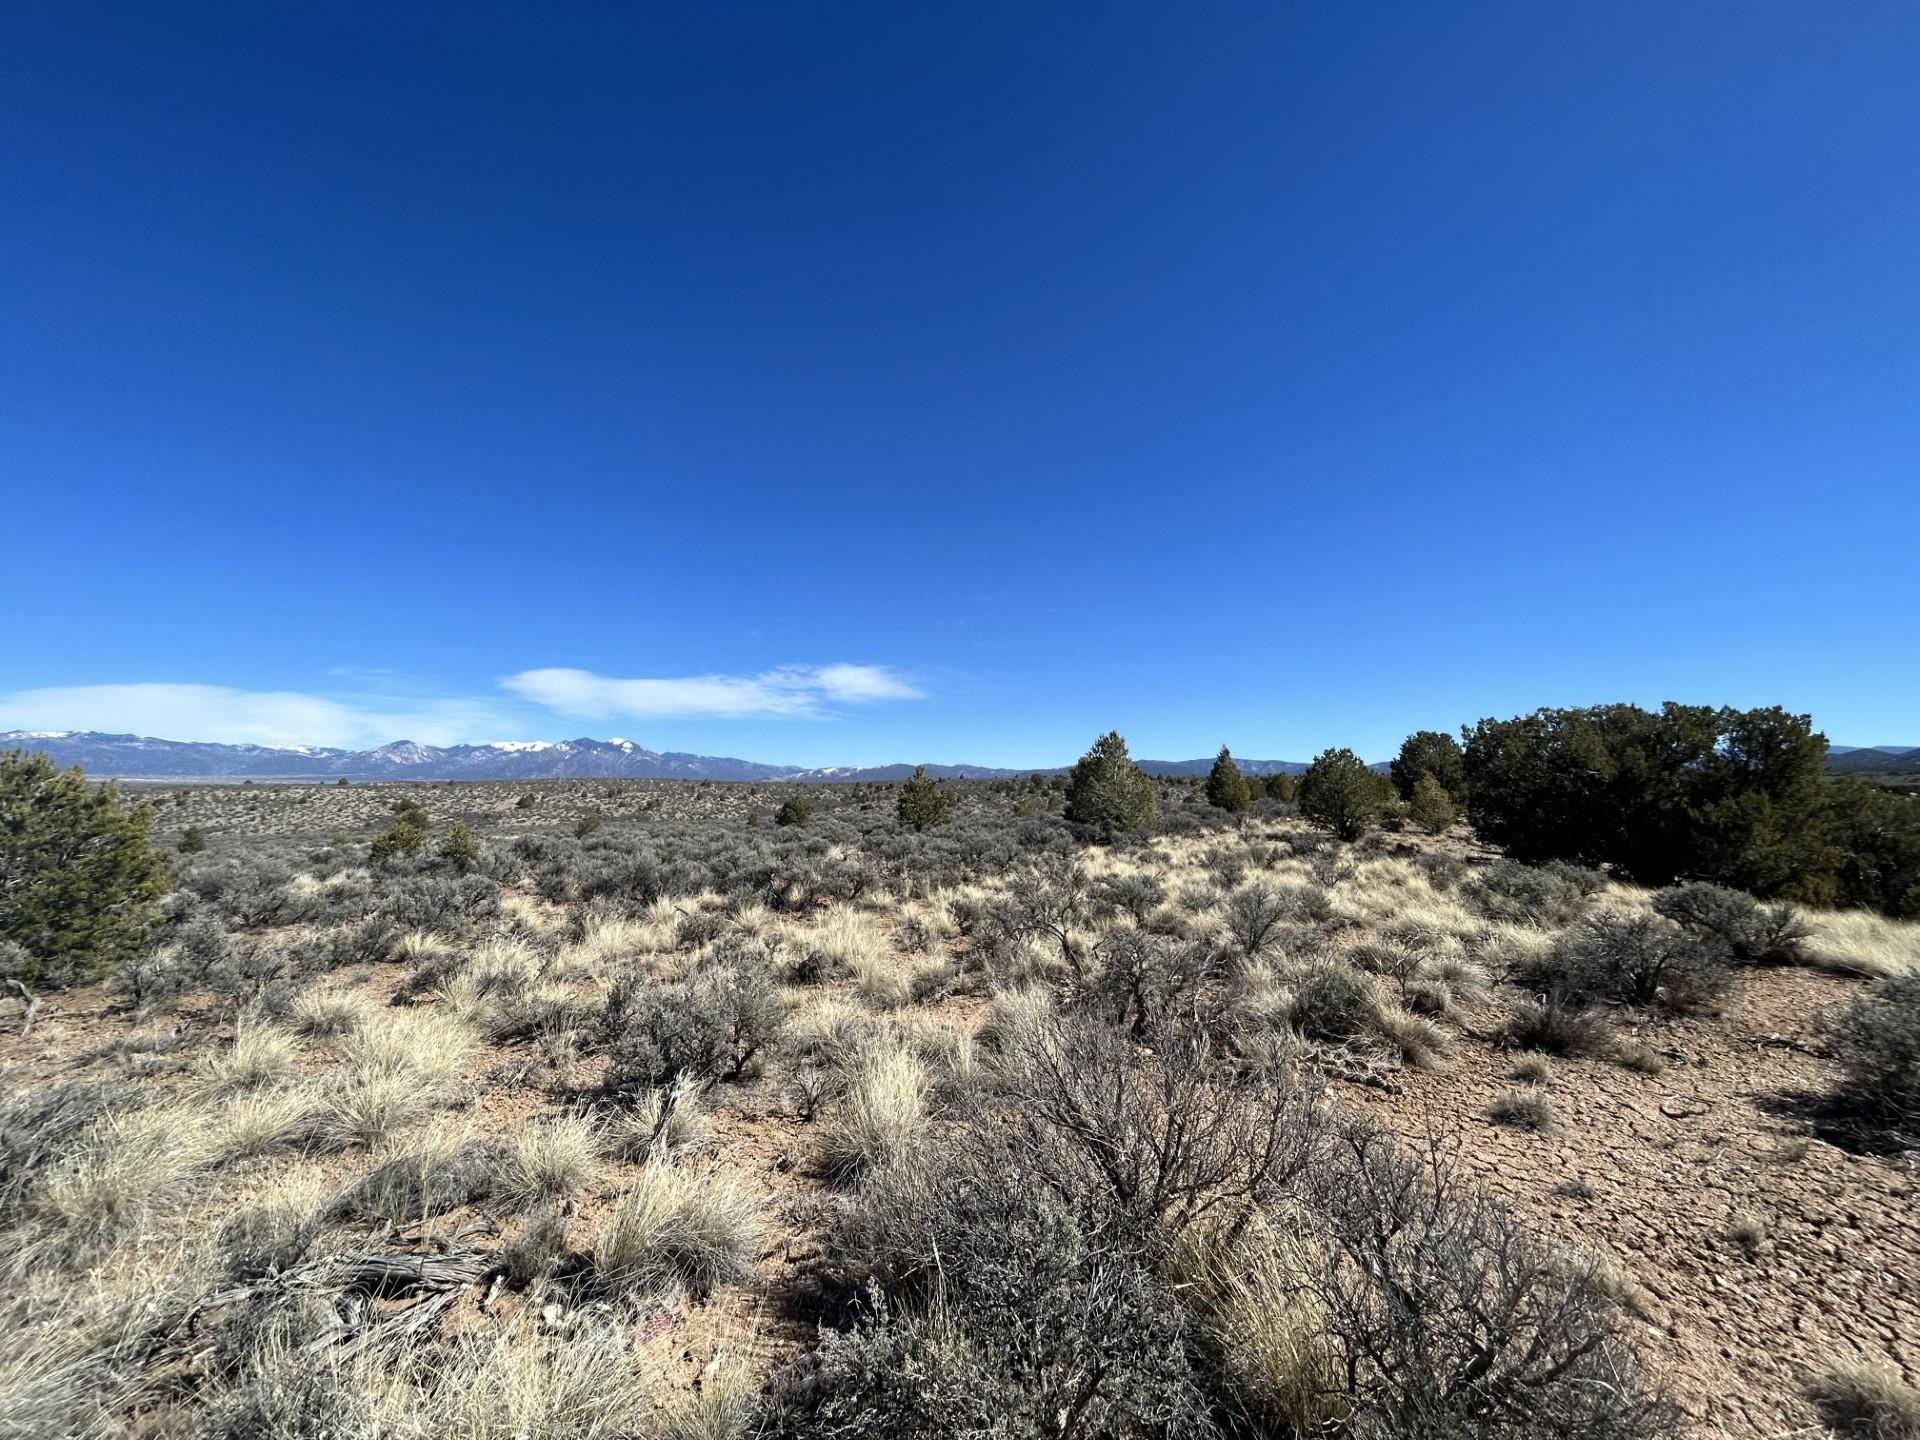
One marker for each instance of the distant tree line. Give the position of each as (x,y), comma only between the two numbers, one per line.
(1742,798)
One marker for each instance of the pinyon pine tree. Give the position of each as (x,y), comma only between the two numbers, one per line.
(924,801)
(1110,794)
(80,876)
(1227,788)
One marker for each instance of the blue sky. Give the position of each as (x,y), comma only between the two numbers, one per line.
(850,383)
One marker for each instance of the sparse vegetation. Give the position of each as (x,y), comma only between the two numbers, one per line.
(1877,1042)
(1867,1402)
(984,1099)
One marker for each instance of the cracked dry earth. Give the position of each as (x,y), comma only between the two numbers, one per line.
(1653,1170)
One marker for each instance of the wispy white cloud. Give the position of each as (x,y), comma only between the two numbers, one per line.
(358,721)
(792,690)
(245,717)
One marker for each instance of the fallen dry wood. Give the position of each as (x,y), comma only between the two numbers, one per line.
(30,1005)
(350,1274)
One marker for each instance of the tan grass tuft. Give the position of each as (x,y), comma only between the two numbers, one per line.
(676,1229)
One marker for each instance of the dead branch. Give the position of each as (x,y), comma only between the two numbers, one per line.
(30,1003)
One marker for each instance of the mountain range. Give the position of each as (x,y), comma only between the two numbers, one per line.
(139,757)
(1853,759)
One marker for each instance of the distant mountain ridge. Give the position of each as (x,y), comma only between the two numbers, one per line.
(140,757)
(1853,759)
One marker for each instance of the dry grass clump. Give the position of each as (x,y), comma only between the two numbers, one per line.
(1507,947)
(843,941)
(1747,1230)
(503,964)
(277,1232)
(676,1229)
(261,1054)
(1419,1042)
(1867,1401)
(953,1056)
(1263,1316)
(368,1111)
(261,1122)
(66,1359)
(661,1123)
(1522,1109)
(1639,1058)
(328,1014)
(419,947)
(1859,942)
(1013,1015)
(1335,1003)
(427,1045)
(1555,1027)
(721,1409)
(399,1067)
(1532,1069)
(883,1114)
(126,1171)
(442,1172)
(883,980)
(752,918)
(529,913)
(517,1385)
(831,1030)
(610,938)
(1615,1281)
(549,1160)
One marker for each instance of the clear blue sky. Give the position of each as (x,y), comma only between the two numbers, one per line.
(851,383)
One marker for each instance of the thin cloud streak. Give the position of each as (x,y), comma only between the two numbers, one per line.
(793,690)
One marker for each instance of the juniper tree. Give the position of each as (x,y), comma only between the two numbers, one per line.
(1110,794)
(404,837)
(459,849)
(80,876)
(1742,798)
(924,801)
(1281,786)
(1227,788)
(1339,793)
(1429,806)
(1435,753)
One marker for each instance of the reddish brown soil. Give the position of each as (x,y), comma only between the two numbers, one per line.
(1670,1160)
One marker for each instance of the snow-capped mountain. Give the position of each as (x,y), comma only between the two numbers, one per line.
(140,757)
